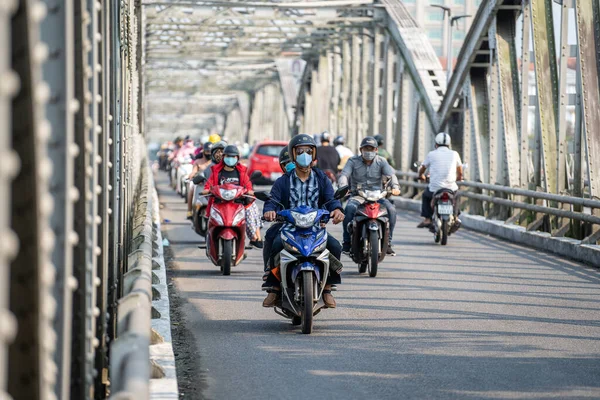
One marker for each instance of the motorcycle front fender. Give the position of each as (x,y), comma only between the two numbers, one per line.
(228,234)
(373,226)
(305,266)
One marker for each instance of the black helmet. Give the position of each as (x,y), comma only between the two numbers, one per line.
(369,141)
(302,140)
(284,156)
(325,137)
(218,146)
(339,140)
(379,139)
(207,148)
(231,150)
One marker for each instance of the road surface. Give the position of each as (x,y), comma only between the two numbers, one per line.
(479,318)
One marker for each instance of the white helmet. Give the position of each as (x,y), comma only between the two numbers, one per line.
(442,139)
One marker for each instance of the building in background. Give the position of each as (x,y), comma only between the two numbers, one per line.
(432,20)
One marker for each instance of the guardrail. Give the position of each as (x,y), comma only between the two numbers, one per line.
(575,217)
(130,352)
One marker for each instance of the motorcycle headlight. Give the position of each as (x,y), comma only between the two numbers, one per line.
(304,220)
(239,217)
(373,195)
(227,194)
(321,247)
(214,214)
(291,248)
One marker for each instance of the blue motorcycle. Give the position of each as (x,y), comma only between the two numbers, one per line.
(304,263)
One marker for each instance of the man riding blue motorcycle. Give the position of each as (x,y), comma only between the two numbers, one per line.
(303,186)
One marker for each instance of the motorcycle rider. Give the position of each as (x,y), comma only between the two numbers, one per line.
(445,168)
(344,152)
(287,165)
(303,186)
(201,162)
(230,170)
(368,170)
(383,152)
(328,158)
(216,156)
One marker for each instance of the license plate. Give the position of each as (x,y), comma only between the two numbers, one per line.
(445,209)
(276,175)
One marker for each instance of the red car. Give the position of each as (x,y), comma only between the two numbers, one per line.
(265,158)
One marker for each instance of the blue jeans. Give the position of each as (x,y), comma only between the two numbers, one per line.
(270,236)
(332,245)
(350,212)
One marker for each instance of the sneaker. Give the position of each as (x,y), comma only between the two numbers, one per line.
(189,215)
(257,244)
(390,251)
(346,248)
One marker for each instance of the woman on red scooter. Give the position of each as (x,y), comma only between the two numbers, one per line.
(230,170)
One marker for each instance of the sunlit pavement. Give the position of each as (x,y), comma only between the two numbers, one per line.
(479,318)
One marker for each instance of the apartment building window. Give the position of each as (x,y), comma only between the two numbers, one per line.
(437,15)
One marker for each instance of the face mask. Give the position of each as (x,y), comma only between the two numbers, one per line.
(304,160)
(230,161)
(369,155)
(290,167)
(207,156)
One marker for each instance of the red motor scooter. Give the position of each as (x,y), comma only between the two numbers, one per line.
(226,238)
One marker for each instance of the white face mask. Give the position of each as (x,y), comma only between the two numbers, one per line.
(369,155)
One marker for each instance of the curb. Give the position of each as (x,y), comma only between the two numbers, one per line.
(163,384)
(566,247)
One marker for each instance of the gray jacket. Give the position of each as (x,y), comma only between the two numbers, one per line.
(368,176)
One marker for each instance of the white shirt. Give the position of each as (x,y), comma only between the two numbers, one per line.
(442,164)
(343,151)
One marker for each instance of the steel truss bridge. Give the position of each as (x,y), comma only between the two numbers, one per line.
(84,84)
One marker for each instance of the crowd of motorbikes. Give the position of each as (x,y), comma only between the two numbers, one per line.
(305,263)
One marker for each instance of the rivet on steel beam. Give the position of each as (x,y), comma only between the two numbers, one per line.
(47,240)
(74,106)
(38,11)
(9,245)
(11,164)
(42,93)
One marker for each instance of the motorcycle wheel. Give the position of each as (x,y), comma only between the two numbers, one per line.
(307,297)
(296,320)
(226,261)
(444,233)
(373,253)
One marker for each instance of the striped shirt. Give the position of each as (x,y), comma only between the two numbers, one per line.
(442,164)
(304,193)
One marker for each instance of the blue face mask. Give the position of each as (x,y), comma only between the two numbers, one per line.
(304,159)
(230,161)
(290,167)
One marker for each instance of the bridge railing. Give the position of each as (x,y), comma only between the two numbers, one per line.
(558,215)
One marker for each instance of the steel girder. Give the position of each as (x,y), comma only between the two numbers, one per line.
(214,36)
(9,85)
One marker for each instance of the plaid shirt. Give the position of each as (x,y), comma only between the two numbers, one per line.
(304,193)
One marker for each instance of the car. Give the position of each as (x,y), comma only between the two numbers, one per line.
(265,159)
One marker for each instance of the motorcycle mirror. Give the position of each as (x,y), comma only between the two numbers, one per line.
(341,192)
(198,179)
(255,175)
(264,196)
